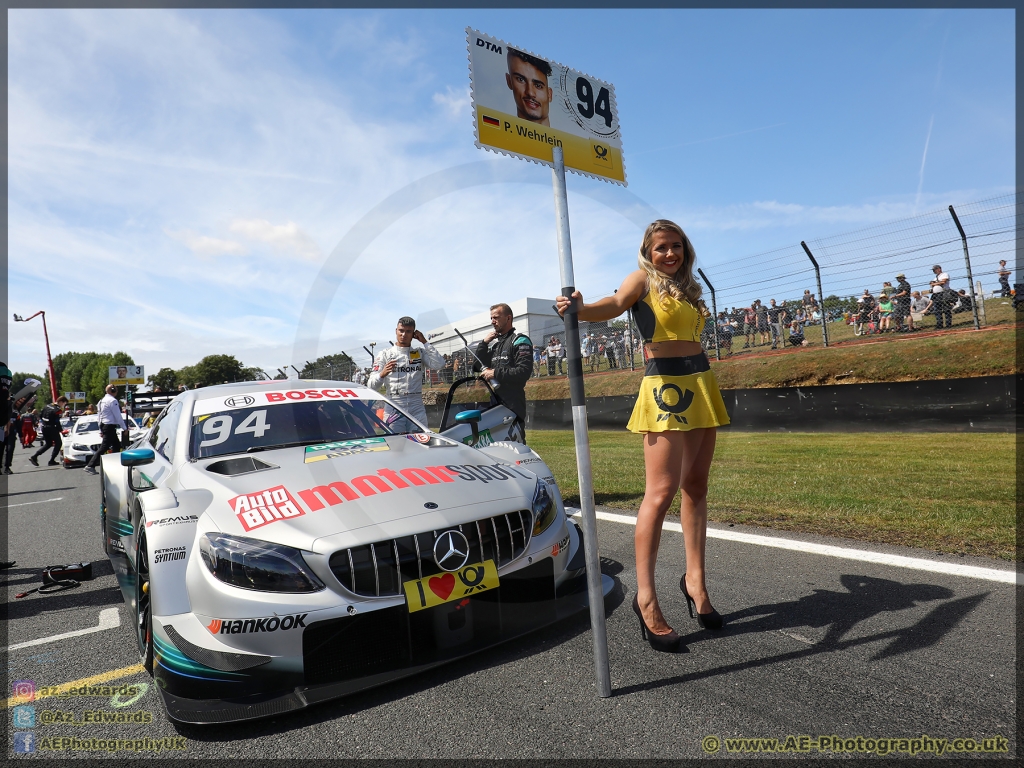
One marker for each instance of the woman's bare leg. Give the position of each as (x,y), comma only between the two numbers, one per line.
(699,450)
(663,463)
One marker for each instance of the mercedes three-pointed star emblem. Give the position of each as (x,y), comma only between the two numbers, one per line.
(451,550)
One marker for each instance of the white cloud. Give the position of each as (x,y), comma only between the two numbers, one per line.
(285,238)
(455,102)
(204,245)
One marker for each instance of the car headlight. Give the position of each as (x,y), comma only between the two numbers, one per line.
(80,447)
(259,565)
(544,510)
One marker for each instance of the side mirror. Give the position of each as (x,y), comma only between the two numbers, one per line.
(137,457)
(471,417)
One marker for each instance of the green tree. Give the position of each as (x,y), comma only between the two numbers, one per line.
(97,374)
(72,367)
(252,374)
(216,369)
(165,378)
(338,367)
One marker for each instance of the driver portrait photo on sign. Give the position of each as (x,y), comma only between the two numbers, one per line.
(526,105)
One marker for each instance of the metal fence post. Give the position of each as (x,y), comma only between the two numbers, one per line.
(817,274)
(967,259)
(714,311)
(981,307)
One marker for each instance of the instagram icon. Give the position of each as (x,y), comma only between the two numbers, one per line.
(23,690)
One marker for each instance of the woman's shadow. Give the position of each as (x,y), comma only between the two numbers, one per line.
(866,597)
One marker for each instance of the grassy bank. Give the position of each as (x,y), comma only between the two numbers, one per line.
(948,492)
(961,353)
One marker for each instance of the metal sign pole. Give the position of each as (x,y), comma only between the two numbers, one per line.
(579,426)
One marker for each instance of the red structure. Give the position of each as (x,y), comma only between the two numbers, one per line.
(54,394)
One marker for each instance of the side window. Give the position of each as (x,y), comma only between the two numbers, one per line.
(165,431)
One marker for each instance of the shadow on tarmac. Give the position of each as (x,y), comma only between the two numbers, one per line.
(43,490)
(840,612)
(516,649)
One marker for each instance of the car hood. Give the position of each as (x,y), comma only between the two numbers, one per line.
(355,492)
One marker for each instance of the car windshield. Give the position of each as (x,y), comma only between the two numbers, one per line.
(242,430)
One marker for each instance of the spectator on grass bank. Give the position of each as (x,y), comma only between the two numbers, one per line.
(552,349)
(901,305)
(749,325)
(609,350)
(807,301)
(884,313)
(796,333)
(866,310)
(941,299)
(963,302)
(1004,280)
(724,333)
(90,410)
(776,319)
(801,319)
(761,318)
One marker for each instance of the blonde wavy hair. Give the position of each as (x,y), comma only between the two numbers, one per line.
(682,286)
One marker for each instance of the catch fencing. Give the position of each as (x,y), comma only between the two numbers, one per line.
(815,280)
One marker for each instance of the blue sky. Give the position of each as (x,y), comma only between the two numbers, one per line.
(178,178)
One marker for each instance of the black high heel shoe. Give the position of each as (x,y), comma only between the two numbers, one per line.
(711,620)
(668,643)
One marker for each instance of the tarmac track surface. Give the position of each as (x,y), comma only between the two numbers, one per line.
(813,646)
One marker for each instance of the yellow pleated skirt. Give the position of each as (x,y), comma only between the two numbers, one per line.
(679,394)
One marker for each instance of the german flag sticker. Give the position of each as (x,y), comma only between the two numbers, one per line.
(491,121)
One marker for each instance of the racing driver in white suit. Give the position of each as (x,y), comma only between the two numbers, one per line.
(401,367)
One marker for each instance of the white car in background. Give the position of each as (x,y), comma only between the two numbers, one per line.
(84,435)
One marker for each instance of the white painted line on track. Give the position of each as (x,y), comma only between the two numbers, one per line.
(109,619)
(26,503)
(899,561)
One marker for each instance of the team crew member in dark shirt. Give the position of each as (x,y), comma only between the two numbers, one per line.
(50,421)
(508,357)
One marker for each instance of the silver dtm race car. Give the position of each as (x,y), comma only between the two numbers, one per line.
(283,543)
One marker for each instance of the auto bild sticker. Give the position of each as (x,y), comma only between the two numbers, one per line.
(263,507)
(483,441)
(345,448)
(169,554)
(252,626)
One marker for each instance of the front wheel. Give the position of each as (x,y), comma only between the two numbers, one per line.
(143,606)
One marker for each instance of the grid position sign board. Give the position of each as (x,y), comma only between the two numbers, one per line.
(121,375)
(525,105)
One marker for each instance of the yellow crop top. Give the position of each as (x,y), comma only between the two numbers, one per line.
(674,321)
